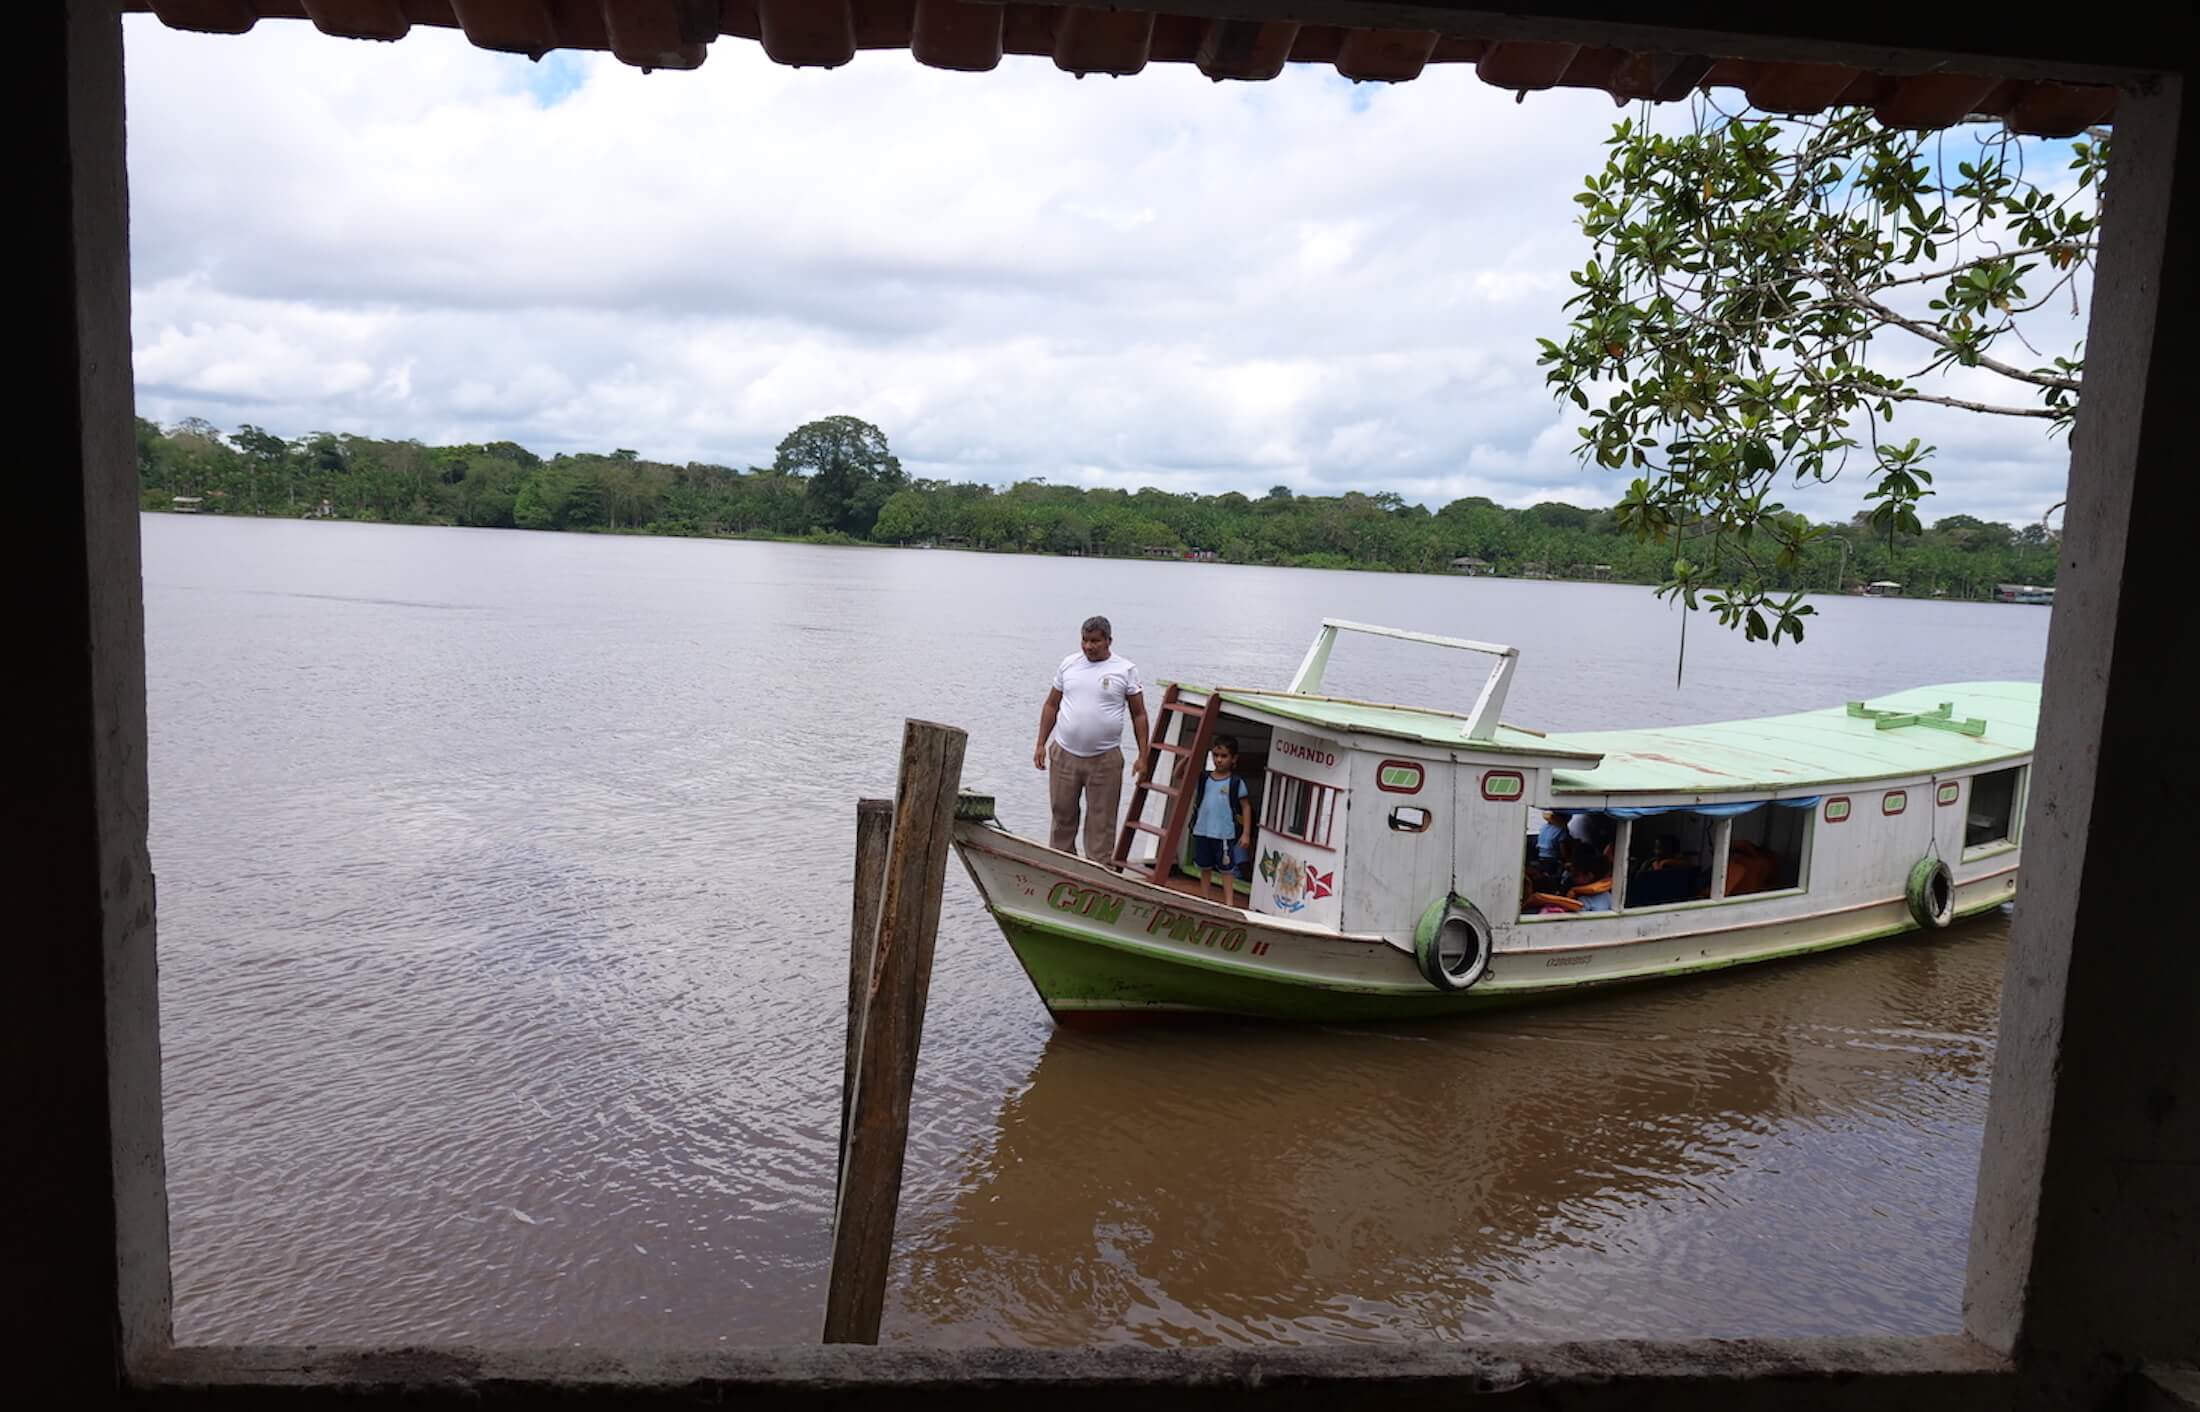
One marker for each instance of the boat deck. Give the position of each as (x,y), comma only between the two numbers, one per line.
(1191,887)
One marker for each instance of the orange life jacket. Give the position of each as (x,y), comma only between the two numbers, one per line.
(1749,868)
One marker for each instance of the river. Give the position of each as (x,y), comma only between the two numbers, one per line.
(503,887)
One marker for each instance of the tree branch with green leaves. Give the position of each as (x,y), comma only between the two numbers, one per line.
(1742,273)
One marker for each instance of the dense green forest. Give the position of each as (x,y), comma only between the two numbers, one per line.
(836,481)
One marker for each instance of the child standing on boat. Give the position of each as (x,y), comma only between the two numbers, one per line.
(1222,822)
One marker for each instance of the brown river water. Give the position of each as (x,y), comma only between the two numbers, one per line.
(503,906)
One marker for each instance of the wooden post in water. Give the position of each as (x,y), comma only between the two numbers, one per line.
(874,825)
(883,1061)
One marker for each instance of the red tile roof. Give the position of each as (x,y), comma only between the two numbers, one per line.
(950,34)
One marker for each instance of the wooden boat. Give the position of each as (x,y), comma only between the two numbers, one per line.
(1398,870)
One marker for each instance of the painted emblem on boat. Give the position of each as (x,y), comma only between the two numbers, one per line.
(1287,875)
(1319,884)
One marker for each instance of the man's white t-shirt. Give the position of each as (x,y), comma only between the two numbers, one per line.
(1095,697)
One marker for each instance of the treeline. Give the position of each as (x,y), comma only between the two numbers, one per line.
(836,481)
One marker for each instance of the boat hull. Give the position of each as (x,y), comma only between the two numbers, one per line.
(1103,949)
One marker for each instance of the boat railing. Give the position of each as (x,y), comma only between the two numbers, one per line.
(1482,717)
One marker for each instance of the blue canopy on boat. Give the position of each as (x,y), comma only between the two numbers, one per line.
(1714,811)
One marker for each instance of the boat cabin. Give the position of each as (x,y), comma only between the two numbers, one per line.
(1367,815)
(1364,811)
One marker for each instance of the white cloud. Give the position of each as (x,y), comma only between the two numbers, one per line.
(1158,280)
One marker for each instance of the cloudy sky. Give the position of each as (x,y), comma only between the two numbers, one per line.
(1149,281)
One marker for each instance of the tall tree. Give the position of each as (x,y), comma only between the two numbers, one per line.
(265,455)
(1741,273)
(851,471)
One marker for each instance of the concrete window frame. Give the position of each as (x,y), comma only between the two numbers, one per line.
(2082,1278)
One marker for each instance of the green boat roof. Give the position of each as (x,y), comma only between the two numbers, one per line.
(1403,722)
(1897,735)
(1894,736)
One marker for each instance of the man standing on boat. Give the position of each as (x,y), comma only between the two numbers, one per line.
(1081,739)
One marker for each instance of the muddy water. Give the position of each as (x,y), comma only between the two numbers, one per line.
(503,895)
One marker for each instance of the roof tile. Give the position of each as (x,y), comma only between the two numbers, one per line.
(951,34)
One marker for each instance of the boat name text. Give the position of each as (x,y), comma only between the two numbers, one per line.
(1192,930)
(1085,901)
(1308,753)
(1197,931)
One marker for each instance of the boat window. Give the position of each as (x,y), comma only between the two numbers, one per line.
(1765,849)
(1669,859)
(1408,818)
(1300,809)
(1991,816)
(1669,855)
(1568,867)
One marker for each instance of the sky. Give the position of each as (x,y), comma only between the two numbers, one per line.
(1157,280)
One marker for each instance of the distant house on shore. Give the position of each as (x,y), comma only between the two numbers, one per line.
(1170,551)
(1884,588)
(1476,568)
(186,504)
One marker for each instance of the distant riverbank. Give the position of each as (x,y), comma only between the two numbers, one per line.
(832,539)
(835,482)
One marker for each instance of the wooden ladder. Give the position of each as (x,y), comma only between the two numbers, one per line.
(1180,791)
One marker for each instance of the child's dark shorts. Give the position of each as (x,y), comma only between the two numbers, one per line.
(1212,853)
